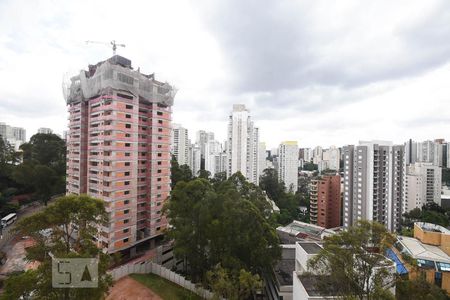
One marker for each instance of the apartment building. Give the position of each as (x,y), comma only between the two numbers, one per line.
(288,165)
(422,185)
(180,144)
(15,136)
(119,148)
(215,157)
(242,144)
(325,201)
(373,183)
(45,130)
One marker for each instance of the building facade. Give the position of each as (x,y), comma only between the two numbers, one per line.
(180,144)
(119,148)
(15,136)
(45,130)
(325,201)
(288,165)
(373,183)
(242,144)
(422,185)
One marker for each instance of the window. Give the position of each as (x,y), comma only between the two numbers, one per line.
(158,179)
(160,130)
(159,138)
(126,202)
(159,113)
(126,192)
(127,153)
(127,163)
(160,121)
(127,125)
(127,183)
(128,116)
(159,171)
(126,221)
(127,173)
(125,240)
(129,106)
(159,154)
(127,135)
(126,211)
(126,230)
(127,145)
(159,163)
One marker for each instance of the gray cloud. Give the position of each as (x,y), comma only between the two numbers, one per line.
(287,44)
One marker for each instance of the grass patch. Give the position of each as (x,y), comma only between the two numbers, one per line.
(164,288)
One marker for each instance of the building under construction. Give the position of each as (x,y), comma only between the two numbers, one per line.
(118,148)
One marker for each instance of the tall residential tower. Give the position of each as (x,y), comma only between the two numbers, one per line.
(242,144)
(119,148)
(373,183)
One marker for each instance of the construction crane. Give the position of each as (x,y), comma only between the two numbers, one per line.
(112,43)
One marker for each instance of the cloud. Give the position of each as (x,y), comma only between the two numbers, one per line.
(320,72)
(287,44)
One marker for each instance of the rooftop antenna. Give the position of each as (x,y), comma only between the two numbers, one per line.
(112,43)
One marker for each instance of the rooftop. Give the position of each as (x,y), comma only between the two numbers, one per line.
(419,250)
(300,231)
(432,227)
(310,248)
(284,269)
(310,284)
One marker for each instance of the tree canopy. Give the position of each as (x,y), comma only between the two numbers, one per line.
(53,232)
(226,222)
(287,202)
(351,265)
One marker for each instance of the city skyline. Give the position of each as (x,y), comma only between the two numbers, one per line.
(321,84)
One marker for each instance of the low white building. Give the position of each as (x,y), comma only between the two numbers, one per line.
(305,285)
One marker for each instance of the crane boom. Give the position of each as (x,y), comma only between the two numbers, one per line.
(112,43)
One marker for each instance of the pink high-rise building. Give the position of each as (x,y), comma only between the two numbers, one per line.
(118,148)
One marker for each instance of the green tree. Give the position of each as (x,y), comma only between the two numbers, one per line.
(179,173)
(233,285)
(46,149)
(8,160)
(309,166)
(269,183)
(204,174)
(40,178)
(347,263)
(418,289)
(53,230)
(288,203)
(227,223)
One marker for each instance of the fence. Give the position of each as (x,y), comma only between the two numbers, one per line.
(151,267)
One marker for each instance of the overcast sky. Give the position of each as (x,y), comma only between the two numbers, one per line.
(320,72)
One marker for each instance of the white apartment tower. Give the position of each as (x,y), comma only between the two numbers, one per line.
(45,130)
(242,146)
(180,144)
(373,183)
(215,157)
(422,185)
(288,165)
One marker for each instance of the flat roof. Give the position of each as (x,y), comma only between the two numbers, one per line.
(419,250)
(310,248)
(284,268)
(300,231)
(310,284)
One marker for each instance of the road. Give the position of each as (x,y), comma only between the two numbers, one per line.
(6,235)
